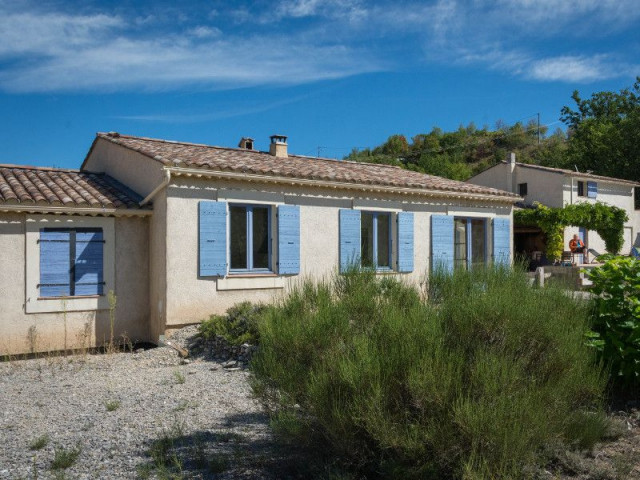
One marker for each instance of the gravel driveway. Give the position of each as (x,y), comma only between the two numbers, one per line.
(129,415)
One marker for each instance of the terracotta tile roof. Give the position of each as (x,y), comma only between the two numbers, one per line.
(22,185)
(573,173)
(179,154)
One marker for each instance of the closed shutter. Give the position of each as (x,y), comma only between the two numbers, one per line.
(405,242)
(88,263)
(55,274)
(288,239)
(442,242)
(501,241)
(213,239)
(592,189)
(349,239)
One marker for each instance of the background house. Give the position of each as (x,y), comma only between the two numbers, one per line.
(208,227)
(557,187)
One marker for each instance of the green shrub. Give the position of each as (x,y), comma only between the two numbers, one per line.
(472,383)
(616,324)
(238,326)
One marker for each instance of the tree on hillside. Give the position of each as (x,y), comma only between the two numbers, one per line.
(604,132)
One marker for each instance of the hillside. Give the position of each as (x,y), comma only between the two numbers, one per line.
(467,151)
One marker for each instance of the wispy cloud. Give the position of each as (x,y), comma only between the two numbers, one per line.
(235,111)
(53,52)
(44,48)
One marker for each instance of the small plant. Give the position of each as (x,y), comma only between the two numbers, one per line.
(112,405)
(615,332)
(39,443)
(64,458)
(113,301)
(178,376)
(238,326)
(32,339)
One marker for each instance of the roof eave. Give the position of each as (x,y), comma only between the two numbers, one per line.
(92,211)
(195,172)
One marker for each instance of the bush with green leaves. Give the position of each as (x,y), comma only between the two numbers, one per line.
(238,326)
(474,381)
(616,323)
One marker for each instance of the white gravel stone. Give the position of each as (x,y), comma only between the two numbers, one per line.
(65,398)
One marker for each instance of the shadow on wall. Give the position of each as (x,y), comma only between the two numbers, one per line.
(636,243)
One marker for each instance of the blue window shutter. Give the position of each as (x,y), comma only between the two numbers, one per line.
(442,242)
(501,241)
(405,242)
(213,238)
(592,189)
(55,274)
(349,239)
(288,239)
(89,263)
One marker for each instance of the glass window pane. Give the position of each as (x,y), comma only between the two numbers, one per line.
(366,240)
(478,238)
(260,226)
(383,240)
(460,243)
(238,241)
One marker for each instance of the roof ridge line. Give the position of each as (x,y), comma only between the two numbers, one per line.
(54,169)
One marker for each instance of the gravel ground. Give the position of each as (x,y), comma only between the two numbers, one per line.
(131,415)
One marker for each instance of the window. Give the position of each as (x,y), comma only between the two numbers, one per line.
(71,262)
(375,240)
(470,239)
(581,192)
(522,189)
(250,238)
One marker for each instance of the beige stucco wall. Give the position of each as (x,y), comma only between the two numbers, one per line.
(138,172)
(499,176)
(190,298)
(56,331)
(543,187)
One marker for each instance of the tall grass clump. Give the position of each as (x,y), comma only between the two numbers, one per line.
(475,379)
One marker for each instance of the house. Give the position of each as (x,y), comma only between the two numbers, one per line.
(556,187)
(178,231)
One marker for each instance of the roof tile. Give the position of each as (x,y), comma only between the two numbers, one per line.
(72,188)
(170,153)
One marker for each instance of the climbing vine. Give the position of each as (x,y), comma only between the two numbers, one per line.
(606,220)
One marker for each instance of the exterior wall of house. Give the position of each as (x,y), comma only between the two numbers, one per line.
(56,330)
(615,194)
(543,187)
(499,176)
(190,298)
(138,172)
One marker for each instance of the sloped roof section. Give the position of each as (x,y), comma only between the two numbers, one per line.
(191,155)
(573,173)
(21,185)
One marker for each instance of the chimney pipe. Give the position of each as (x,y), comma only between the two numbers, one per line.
(246,143)
(278,146)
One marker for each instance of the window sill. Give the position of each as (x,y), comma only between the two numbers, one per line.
(251,282)
(70,297)
(252,275)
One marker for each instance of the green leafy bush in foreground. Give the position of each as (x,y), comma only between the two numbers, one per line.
(616,324)
(238,326)
(476,382)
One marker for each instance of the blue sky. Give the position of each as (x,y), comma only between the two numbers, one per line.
(334,74)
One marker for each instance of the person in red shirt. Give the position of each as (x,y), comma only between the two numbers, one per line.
(576,245)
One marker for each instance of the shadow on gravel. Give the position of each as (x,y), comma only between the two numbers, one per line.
(221,454)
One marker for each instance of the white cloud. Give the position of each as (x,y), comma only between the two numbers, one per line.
(573,69)
(64,52)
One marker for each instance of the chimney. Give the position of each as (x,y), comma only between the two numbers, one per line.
(278,146)
(246,143)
